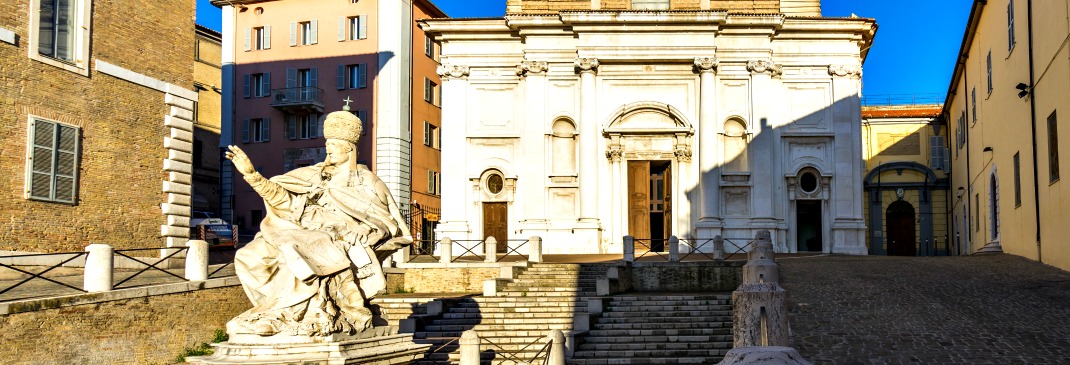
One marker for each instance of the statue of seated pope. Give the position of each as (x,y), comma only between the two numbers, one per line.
(318,256)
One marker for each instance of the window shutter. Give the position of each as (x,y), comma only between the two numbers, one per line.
(947,160)
(265,130)
(430,182)
(267,37)
(245,131)
(427,134)
(363,34)
(363,115)
(291,78)
(248,37)
(43,135)
(247,88)
(66,164)
(341,77)
(363,75)
(341,29)
(934,152)
(293,34)
(315,31)
(314,128)
(291,127)
(314,76)
(265,84)
(319,130)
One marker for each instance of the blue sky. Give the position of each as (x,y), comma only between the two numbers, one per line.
(914,52)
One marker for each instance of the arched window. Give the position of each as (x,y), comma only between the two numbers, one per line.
(563,144)
(735,146)
(993,205)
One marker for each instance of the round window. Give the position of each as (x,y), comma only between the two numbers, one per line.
(808,182)
(495,183)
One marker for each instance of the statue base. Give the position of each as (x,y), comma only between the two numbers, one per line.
(375,346)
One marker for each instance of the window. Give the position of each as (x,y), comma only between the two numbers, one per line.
(364,120)
(650,4)
(977,212)
(257,216)
(937,157)
(256,130)
(352,28)
(262,38)
(993,206)
(59,33)
(257,85)
(431,136)
(960,134)
(429,46)
(1053,149)
(198,153)
(353,76)
(53,161)
(305,126)
(1017,181)
(304,33)
(988,63)
(432,182)
(973,100)
(1010,25)
(258,38)
(430,91)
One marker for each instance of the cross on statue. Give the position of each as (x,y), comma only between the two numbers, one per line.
(347,100)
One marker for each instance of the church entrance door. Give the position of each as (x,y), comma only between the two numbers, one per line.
(650,203)
(496,223)
(808,220)
(900,226)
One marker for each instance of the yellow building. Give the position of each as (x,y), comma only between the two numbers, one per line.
(906,181)
(1011,78)
(207,81)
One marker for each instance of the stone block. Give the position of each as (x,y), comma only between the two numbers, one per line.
(763,355)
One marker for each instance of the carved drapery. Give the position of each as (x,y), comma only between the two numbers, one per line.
(452,71)
(762,66)
(706,64)
(851,70)
(586,65)
(531,67)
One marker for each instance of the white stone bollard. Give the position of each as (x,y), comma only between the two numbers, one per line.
(469,350)
(445,251)
(718,248)
(557,348)
(490,249)
(535,249)
(98,268)
(197,260)
(674,249)
(629,249)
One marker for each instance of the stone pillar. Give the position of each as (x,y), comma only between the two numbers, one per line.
(629,249)
(197,260)
(445,251)
(533,147)
(763,145)
(760,317)
(589,135)
(98,268)
(617,187)
(674,249)
(557,347)
(848,226)
(763,355)
(469,350)
(490,249)
(535,249)
(709,178)
(718,248)
(455,189)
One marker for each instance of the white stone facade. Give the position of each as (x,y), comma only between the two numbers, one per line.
(738,108)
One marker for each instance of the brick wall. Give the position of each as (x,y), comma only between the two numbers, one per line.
(747,6)
(122,132)
(144,330)
(446,280)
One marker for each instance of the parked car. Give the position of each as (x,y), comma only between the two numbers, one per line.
(206,226)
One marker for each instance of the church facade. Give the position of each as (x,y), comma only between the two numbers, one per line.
(584,126)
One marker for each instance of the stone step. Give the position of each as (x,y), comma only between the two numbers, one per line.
(512,328)
(637,329)
(520,309)
(547,294)
(714,333)
(633,354)
(500,315)
(644,298)
(698,344)
(647,361)
(501,320)
(547,289)
(665,320)
(669,308)
(657,312)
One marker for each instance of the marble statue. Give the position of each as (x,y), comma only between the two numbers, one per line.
(318,257)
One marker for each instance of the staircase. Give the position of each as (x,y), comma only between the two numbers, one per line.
(543,297)
(659,329)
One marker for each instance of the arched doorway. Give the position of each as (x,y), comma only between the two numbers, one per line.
(900,228)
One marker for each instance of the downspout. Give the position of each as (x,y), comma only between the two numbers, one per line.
(969,177)
(1033,119)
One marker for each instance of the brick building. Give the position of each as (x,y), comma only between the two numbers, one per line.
(206,157)
(95,123)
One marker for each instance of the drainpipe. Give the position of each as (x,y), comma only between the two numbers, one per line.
(1033,119)
(969,177)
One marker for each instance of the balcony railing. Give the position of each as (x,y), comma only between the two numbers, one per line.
(307,98)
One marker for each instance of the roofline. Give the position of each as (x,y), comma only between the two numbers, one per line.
(209,32)
(435,10)
(964,50)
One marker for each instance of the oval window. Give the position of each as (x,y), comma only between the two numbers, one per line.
(808,182)
(495,183)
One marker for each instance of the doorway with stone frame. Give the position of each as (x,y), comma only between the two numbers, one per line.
(650,201)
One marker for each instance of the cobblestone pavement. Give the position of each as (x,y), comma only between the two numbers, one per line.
(990,309)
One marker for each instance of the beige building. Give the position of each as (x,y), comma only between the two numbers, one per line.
(96,130)
(206,127)
(905,180)
(1009,90)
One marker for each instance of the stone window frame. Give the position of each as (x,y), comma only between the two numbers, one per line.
(32,157)
(555,137)
(82,28)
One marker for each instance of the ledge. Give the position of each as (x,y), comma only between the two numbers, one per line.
(36,304)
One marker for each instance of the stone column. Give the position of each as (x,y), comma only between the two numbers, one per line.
(588,129)
(848,227)
(709,178)
(763,144)
(469,348)
(197,260)
(533,147)
(455,189)
(98,268)
(617,186)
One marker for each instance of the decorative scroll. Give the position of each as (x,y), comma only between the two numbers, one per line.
(531,67)
(452,71)
(586,65)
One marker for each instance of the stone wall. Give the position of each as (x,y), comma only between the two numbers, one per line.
(552,6)
(445,280)
(144,330)
(685,276)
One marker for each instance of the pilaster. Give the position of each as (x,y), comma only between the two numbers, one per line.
(589,134)
(455,192)
(709,179)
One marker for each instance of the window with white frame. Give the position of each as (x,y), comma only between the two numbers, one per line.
(973,103)
(304,33)
(257,85)
(52,163)
(1010,25)
(352,28)
(431,135)
(988,64)
(59,33)
(937,157)
(431,94)
(432,182)
(256,130)
(262,38)
(429,46)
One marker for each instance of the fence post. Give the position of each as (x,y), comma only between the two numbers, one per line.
(469,343)
(674,249)
(197,260)
(629,248)
(718,248)
(98,268)
(535,249)
(445,251)
(490,249)
(557,348)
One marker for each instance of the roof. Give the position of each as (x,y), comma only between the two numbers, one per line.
(900,111)
(964,49)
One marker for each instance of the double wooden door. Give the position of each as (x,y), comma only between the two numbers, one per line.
(496,223)
(650,201)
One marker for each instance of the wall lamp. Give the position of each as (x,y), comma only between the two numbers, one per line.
(987,149)
(960,192)
(1023,89)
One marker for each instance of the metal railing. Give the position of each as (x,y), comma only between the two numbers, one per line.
(738,245)
(514,250)
(40,275)
(423,249)
(516,357)
(220,268)
(297,95)
(656,246)
(148,266)
(695,246)
(903,99)
(468,248)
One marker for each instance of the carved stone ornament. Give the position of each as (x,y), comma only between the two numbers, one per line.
(531,67)
(845,70)
(705,64)
(586,65)
(760,66)
(452,71)
(614,153)
(683,153)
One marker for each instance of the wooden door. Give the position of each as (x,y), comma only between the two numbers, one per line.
(900,221)
(496,223)
(667,198)
(639,199)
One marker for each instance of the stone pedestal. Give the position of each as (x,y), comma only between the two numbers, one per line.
(763,355)
(375,346)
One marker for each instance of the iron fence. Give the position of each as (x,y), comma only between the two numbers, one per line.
(655,246)
(516,357)
(468,248)
(695,246)
(148,266)
(40,275)
(512,248)
(738,245)
(422,249)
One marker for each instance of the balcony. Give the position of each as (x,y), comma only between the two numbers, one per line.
(298,100)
